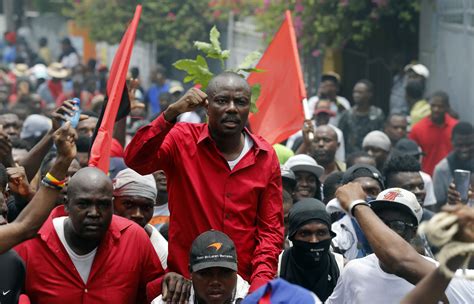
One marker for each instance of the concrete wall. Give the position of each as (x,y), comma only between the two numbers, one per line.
(446,48)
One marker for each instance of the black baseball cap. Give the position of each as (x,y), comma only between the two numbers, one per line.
(407,146)
(362,170)
(212,249)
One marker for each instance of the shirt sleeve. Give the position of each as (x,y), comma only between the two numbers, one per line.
(269,231)
(151,269)
(150,147)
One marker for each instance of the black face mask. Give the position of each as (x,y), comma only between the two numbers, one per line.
(310,254)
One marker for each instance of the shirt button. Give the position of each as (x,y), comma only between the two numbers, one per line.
(227,215)
(85,290)
(228,195)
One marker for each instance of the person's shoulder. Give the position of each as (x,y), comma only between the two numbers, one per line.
(442,167)
(261,143)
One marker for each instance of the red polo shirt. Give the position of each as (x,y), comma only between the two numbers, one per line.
(434,140)
(124,264)
(245,203)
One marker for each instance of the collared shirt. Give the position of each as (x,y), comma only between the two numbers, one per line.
(124,264)
(434,140)
(245,203)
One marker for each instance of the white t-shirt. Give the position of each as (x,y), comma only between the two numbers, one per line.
(160,244)
(83,263)
(430,198)
(241,291)
(346,237)
(363,281)
(248,144)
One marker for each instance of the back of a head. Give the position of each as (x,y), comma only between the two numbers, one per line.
(332,182)
(351,159)
(415,89)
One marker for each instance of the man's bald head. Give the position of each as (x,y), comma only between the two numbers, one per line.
(328,130)
(224,80)
(89,180)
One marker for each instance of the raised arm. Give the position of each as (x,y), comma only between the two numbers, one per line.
(399,257)
(141,153)
(35,213)
(431,289)
(35,156)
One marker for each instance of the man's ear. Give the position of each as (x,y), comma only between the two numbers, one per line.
(6,194)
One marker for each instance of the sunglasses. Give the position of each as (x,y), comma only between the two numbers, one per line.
(399,226)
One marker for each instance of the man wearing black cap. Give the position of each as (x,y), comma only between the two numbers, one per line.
(309,263)
(213,268)
(350,240)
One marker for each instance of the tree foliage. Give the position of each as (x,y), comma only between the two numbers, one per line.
(198,71)
(321,24)
(171,24)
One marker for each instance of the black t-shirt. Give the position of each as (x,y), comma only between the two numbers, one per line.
(12,277)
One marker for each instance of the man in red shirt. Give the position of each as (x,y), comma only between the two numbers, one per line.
(86,254)
(433,133)
(220,176)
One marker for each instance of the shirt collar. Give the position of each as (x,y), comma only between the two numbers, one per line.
(258,141)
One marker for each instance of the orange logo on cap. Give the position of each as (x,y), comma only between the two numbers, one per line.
(391,196)
(215,245)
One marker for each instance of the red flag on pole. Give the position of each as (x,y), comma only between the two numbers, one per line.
(100,150)
(280,110)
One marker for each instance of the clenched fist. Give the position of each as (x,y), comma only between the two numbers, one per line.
(193,99)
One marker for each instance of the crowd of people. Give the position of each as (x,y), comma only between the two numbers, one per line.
(196,208)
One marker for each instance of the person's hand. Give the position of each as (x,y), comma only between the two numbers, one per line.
(61,114)
(176,288)
(65,141)
(18,182)
(308,128)
(454,197)
(348,193)
(465,221)
(190,101)
(6,157)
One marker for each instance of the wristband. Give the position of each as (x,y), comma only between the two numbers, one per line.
(45,183)
(54,180)
(355,203)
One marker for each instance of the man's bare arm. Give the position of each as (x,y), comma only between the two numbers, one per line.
(398,257)
(28,222)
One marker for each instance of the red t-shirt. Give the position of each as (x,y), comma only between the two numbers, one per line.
(245,203)
(434,140)
(124,264)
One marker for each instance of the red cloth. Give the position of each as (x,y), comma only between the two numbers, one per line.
(116,150)
(245,203)
(100,150)
(124,263)
(280,110)
(55,88)
(434,140)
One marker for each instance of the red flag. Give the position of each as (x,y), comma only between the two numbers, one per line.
(280,110)
(100,150)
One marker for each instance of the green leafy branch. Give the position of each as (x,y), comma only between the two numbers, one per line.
(198,72)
